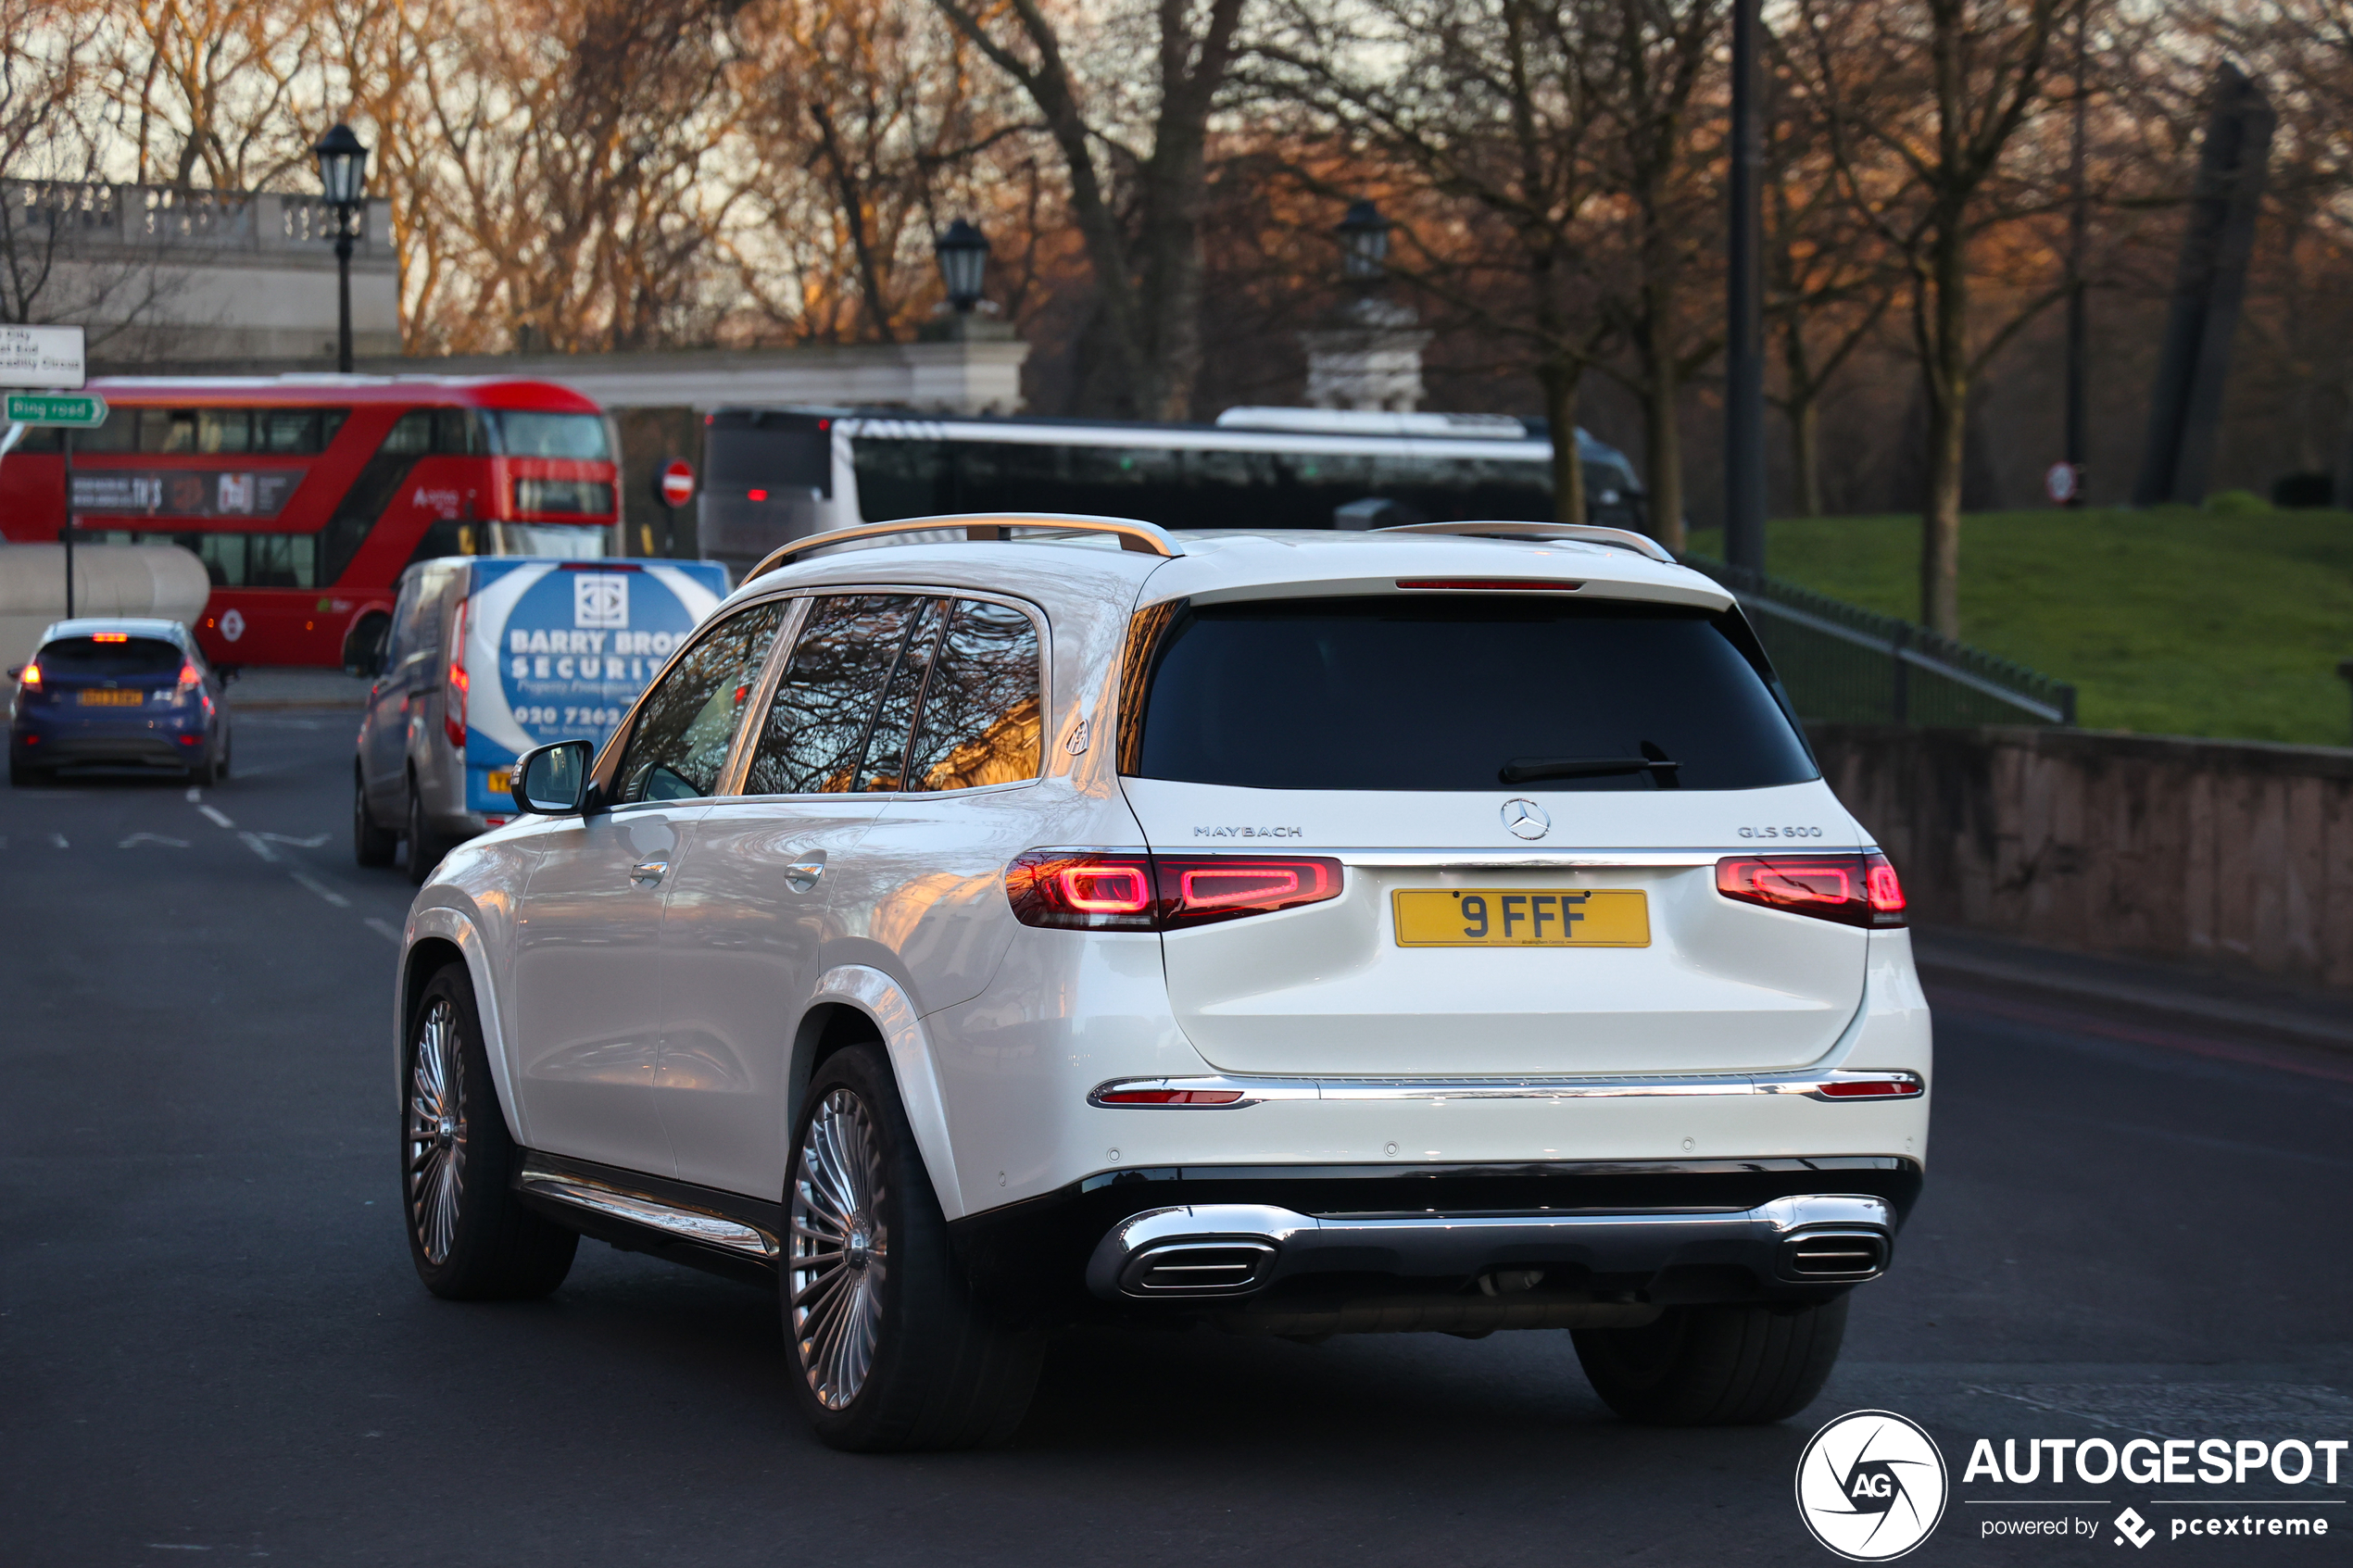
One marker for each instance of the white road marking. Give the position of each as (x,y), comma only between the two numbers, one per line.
(60,840)
(386,930)
(194,794)
(320,888)
(153,838)
(217,820)
(253,842)
(313,841)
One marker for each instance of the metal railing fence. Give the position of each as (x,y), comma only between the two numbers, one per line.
(1845,664)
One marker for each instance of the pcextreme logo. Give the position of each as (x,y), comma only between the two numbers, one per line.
(1871,1485)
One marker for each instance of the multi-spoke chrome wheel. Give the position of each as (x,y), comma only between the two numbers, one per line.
(436,1142)
(840,1249)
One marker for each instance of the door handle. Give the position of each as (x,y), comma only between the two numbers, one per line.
(801,875)
(647,873)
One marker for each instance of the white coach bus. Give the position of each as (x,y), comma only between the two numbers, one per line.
(772,475)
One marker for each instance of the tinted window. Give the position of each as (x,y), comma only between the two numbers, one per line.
(981,706)
(516,433)
(768,452)
(133,655)
(680,740)
(281,432)
(815,737)
(241,560)
(1443,693)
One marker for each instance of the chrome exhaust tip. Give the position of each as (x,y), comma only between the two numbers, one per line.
(1833,1257)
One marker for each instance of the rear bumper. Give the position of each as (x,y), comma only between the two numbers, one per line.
(1230,1250)
(1412,1245)
(66,747)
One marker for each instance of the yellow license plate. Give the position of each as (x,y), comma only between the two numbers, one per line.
(1522,917)
(501,781)
(97,699)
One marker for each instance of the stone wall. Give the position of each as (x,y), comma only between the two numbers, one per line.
(2227,855)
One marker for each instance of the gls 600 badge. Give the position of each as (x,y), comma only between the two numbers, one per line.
(1871,1486)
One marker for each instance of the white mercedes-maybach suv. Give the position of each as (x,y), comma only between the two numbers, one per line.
(990,923)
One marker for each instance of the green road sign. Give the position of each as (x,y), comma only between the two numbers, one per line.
(81,410)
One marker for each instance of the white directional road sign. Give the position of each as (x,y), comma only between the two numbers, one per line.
(45,356)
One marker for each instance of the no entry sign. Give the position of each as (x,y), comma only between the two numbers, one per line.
(675,485)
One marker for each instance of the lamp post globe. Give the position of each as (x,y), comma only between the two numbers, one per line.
(964,258)
(343,178)
(1364,243)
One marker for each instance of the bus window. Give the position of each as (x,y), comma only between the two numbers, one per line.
(517,432)
(240,561)
(291,433)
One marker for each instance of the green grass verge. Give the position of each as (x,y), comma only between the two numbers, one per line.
(2172,622)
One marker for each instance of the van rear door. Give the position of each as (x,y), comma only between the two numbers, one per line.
(1527,796)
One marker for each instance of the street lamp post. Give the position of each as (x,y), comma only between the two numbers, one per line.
(343,173)
(1744,312)
(963,260)
(1363,243)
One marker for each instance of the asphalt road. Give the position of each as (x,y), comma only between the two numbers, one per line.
(212,1346)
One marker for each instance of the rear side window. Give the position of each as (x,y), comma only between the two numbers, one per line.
(112,659)
(981,708)
(1445,692)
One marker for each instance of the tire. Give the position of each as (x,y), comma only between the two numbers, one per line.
(370,846)
(469,1237)
(1715,1366)
(890,1352)
(425,848)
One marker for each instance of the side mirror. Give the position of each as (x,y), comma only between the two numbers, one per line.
(552,779)
(228,674)
(17,671)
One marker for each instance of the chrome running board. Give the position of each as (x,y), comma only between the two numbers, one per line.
(542,1180)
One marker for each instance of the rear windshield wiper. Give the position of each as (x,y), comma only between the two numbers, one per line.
(1523,770)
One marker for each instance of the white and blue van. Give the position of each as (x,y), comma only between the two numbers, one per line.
(489,655)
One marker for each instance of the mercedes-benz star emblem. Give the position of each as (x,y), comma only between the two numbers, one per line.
(1526,819)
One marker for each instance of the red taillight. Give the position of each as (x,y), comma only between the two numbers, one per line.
(1090,890)
(1167,1096)
(32,676)
(453,711)
(1869,1088)
(1081,890)
(190,675)
(755,495)
(1851,889)
(1491,584)
(109,636)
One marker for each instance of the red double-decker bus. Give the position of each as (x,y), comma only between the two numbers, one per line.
(306,496)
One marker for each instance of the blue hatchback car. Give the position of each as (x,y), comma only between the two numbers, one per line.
(118,692)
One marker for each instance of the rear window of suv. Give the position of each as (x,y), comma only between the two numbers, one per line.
(111,657)
(1444,693)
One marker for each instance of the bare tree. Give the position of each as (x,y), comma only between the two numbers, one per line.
(1138,209)
(1971,74)
(1485,112)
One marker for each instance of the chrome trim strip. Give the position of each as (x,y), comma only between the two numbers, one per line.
(1642,1241)
(1256,1091)
(686,1224)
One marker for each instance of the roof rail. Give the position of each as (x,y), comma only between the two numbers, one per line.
(1142,537)
(1583,534)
